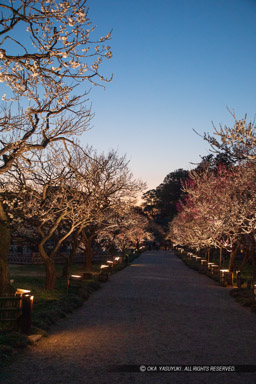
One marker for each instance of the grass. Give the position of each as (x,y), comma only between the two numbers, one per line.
(49,306)
(244,297)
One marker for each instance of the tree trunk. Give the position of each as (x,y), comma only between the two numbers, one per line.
(208,255)
(88,257)
(253,268)
(252,257)
(231,265)
(70,258)
(88,253)
(112,250)
(66,267)
(220,256)
(49,259)
(244,261)
(5,242)
(50,271)
(4,277)
(50,277)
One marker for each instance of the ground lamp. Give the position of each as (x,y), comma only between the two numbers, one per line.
(104,267)
(76,277)
(110,264)
(21,292)
(238,279)
(226,276)
(117,259)
(104,272)
(27,299)
(210,265)
(74,281)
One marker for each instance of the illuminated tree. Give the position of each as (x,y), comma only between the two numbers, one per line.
(219,211)
(190,226)
(64,196)
(47,48)
(127,229)
(42,69)
(237,143)
(107,180)
(44,202)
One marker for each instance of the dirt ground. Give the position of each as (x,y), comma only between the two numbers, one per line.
(155,312)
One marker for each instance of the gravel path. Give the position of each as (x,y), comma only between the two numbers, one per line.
(157,311)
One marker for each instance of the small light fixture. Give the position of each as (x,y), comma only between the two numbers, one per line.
(22,292)
(223,271)
(209,266)
(103,266)
(238,279)
(75,276)
(225,276)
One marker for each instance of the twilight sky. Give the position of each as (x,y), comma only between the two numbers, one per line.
(177,65)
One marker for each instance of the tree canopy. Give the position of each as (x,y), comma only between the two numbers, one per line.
(160,203)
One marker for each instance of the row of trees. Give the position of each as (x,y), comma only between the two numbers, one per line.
(52,190)
(71,197)
(219,207)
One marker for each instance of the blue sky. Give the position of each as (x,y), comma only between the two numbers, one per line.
(177,66)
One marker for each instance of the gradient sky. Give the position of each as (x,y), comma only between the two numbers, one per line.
(177,66)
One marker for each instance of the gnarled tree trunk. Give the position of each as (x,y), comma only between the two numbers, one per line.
(70,258)
(231,265)
(221,254)
(88,259)
(252,257)
(50,274)
(5,242)
(87,241)
(208,254)
(244,261)
(50,270)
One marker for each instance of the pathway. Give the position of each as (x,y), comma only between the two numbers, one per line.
(155,312)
